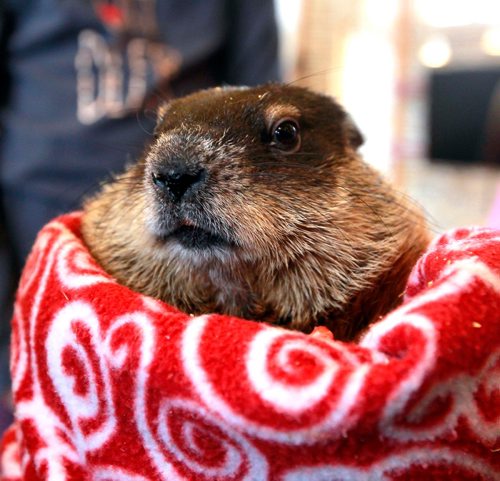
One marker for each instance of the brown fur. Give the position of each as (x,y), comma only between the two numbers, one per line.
(312,236)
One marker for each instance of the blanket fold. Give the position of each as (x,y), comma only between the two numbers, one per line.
(110,385)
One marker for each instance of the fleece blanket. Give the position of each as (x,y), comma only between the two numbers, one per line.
(111,385)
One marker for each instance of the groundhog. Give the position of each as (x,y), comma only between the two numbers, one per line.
(254,202)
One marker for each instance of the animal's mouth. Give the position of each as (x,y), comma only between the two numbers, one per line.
(193,237)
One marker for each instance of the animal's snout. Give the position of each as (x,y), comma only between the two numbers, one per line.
(179,180)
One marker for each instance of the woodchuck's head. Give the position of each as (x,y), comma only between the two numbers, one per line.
(254,202)
(240,169)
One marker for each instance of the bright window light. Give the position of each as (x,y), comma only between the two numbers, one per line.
(454,13)
(490,41)
(435,52)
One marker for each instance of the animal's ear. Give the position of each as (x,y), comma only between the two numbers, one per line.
(161,112)
(353,136)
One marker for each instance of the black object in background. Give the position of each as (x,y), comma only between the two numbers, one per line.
(462,117)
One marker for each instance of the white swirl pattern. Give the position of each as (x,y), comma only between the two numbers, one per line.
(272,390)
(60,339)
(461,389)
(112,473)
(58,451)
(75,270)
(284,396)
(18,349)
(11,468)
(240,459)
(397,465)
(403,390)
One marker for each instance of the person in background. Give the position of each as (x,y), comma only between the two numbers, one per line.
(79,84)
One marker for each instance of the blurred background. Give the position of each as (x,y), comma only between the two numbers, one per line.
(421,78)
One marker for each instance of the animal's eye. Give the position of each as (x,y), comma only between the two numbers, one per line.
(285,135)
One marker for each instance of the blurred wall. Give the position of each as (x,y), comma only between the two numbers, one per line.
(348,50)
(380,57)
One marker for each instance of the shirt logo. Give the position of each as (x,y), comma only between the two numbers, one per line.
(116,71)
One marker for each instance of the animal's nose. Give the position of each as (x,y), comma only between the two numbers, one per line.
(179,180)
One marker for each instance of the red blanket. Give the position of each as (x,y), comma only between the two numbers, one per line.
(111,385)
